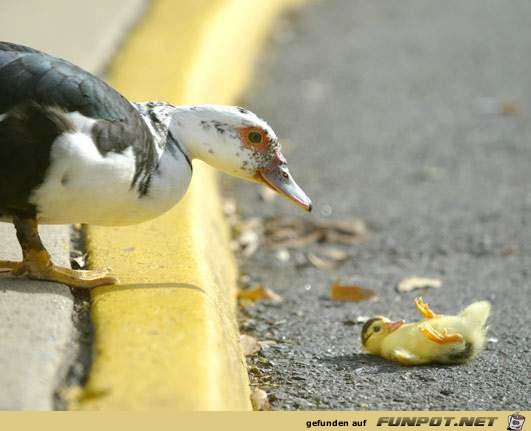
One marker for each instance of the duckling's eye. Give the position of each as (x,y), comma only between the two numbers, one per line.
(254,137)
(376,329)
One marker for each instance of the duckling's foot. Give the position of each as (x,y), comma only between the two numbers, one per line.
(43,269)
(439,337)
(424,309)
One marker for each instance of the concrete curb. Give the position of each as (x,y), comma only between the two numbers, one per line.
(38,336)
(168,338)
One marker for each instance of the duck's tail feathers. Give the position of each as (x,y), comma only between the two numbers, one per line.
(477,313)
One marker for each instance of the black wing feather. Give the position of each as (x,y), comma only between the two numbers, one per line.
(23,70)
(31,76)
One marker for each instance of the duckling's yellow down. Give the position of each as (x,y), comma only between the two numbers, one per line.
(436,339)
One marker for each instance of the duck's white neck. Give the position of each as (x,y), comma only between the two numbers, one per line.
(205,136)
(194,130)
(211,133)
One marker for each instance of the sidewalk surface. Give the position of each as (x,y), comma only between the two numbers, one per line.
(382,108)
(37,331)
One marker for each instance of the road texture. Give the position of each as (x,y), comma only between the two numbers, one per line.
(39,338)
(393,112)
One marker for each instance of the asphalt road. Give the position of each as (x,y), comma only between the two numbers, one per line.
(389,112)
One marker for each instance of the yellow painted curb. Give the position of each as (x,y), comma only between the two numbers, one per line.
(167,338)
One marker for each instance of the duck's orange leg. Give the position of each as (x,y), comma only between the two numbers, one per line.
(424,309)
(10,266)
(38,265)
(439,337)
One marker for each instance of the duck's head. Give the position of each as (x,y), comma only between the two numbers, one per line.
(238,143)
(375,330)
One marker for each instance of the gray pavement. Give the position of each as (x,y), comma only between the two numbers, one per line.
(37,328)
(39,338)
(382,105)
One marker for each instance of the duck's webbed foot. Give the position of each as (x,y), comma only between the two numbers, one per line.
(38,265)
(439,337)
(424,309)
(70,277)
(16,268)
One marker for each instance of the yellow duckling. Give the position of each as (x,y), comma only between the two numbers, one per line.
(437,339)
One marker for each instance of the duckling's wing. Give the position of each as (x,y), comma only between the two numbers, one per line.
(405,357)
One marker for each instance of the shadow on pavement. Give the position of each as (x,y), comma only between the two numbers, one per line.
(136,286)
(363,363)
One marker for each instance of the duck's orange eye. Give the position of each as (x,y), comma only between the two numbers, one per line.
(254,137)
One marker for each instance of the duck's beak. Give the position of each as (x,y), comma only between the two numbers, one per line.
(393,326)
(276,176)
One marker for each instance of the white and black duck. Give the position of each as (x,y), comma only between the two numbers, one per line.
(73,150)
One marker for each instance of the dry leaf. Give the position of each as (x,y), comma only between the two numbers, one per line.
(259,293)
(411,283)
(495,106)
(321,263)
(510,107)
(247,235)
(284,232)
(248,243)
(510,249)
(344,292)
(294,232)
(335,254)
(249,345)
(259,400)
(328,258)
(354,228)
(229,207)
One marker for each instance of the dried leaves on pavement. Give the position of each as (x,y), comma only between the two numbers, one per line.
(297,232)
(258,293)
(345,292)
(411,283)
(328,258)
(291,232)
(259,400)
(250,345)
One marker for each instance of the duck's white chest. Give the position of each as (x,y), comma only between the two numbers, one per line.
(84,186)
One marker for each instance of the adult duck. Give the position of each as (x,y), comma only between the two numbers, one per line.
(74,150)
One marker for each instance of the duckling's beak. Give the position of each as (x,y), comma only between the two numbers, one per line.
(276,176)
(393,326)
